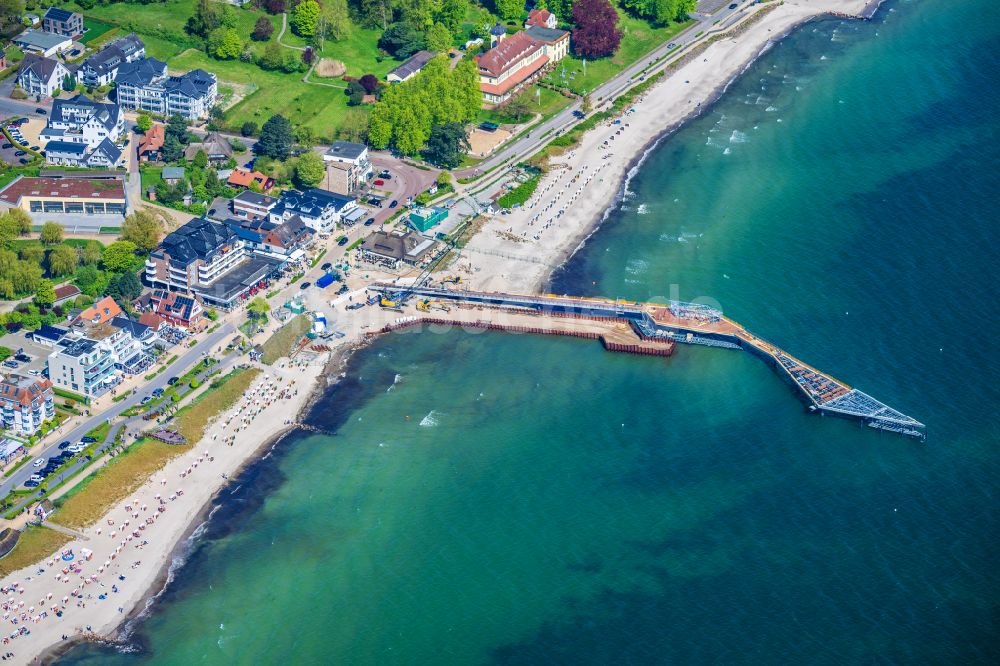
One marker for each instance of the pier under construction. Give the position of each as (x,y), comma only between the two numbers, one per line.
(656,326)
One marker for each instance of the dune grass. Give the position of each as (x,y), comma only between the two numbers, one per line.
(36,543)
(280,343)
(128,471)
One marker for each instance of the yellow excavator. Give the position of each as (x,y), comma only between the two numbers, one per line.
(424,305)
(386,302)
(452,279)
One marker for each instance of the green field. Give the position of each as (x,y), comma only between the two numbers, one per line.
(638,39)
(94,29)
(548,103)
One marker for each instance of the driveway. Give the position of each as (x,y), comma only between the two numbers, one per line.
(178,367)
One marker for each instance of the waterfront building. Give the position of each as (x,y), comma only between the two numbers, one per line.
(518,59)
(319,210)
(393,250)
(101,68)
(145,84)
(25,403)
(83,366)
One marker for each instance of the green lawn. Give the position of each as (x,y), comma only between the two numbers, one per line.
(94,29)
(638,39)
(548,103)
(149,176)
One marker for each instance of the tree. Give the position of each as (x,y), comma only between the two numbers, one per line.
(586,106)
(452,14)
(200,160)
(355,93)
(120,256)
(274,6)
(177,127)
(144,229)
(69,83)
(144,123)
(275,138)
(305,136)
(63,260)
(305,18)
(309,170)
(509,9)
(18,221)
(517,109)
(26,277)
(33,253)
(438,38)
(45,293)
(224,43)
(249,128)
(90,280)
(446,145)
(596,34)
(52,233)
(444,179)
(369,82)
(92,253)
(125,287)
(334,19)
(258,308)
(308,55)
(207,17)
(273,56)
(262,30)
(401,41)
(172,149)
(660,11)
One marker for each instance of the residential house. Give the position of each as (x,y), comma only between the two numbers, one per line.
(172,175)
(555,42)
(151,144)
(142,333)
(102,312)
(25,403)
(65,293)
(127,353)
(40,76)
(62,22)
(101,68)
(513,61)
(320,210)
(215,146)
(82,132)
(176,309)
(48,336)
(42,43)
(285,241)
(65,193)
(208,259)
(151,320)
(348,166)
(410,68)
(144,84)
(83,366)
(393,250)
(241,177)
(542,18)
(252,205)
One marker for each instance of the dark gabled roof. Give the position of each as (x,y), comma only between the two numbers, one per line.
(312,203)
(52,333)
(137,330)
(255,199)
(141,72)
(40,66)
(413,65)
(198,239)
(194,84)
(346,149)
(65,148)
(106,114)
(110,150)
(57,14)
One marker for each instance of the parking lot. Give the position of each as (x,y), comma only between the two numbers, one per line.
(38,353)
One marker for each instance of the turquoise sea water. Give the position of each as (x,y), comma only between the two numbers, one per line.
(547,502)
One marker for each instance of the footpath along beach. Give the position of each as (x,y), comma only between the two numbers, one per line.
(519,251)
(118,561)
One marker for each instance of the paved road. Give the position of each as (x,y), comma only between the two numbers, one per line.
(532,141)
(178,367)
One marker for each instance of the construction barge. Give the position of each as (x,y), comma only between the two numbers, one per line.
(653,324)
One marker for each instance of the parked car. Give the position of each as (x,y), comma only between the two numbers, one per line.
(384,173)
(394,203)
(325,267)
(88,439)
(145,400)
(64,445)
(42,112)
(38,463)
(10,363)
(173,380)
(732,6)
(36,148)
(30,484)
(305,285)
(76,448)
(343,241)
(23,358)
(671,45)
(579,114)
(35,477)
(23,160)
(19,153)
(157,392)
(379,182)
(370,221)
(8,145)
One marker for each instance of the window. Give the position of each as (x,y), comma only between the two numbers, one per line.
(35,206)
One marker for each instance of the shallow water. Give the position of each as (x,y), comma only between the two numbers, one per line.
(522,500)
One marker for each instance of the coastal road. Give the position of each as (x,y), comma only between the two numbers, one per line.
(178,367)
(536,138)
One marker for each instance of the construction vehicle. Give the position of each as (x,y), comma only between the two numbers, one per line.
(386,302)
(424,306)
(452,279)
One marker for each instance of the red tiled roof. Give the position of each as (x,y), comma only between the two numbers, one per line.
(244,177)
(64,188)
(152,141)
(151,319)
(514,79)
(22,390)
(101,312)
(509,51)
(538,17)
(66,291)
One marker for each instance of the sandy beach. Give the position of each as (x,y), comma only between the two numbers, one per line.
(519,251)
